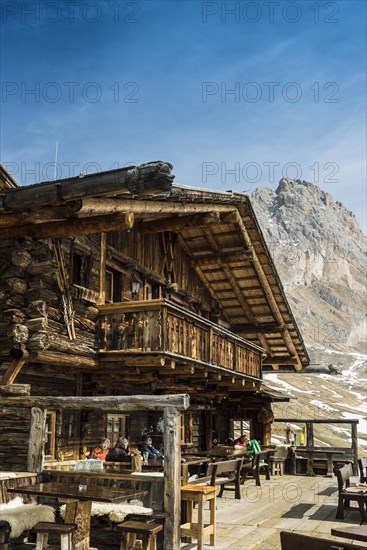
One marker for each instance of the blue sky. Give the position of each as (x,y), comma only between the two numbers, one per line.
(127,82)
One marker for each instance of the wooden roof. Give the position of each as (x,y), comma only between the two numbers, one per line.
(233,261)
(6,180)
(218,231)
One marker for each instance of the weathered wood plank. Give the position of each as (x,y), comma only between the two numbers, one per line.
(103,403)
(36,443)
(148,177)
(12,371)
(172,478)
(15,389)
(70,228)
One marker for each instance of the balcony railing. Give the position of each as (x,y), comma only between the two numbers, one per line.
(163,327)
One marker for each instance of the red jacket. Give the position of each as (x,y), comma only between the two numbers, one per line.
(99,453)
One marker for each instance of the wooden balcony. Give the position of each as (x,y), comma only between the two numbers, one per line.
(163,328)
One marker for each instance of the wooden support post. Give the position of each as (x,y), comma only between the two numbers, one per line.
(12,371)
(309,434)
(355,447)
(77,418)
(172,474)
(36,441)
(102,269)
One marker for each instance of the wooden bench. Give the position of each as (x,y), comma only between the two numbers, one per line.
(224,474)
(345,497)
(290,541)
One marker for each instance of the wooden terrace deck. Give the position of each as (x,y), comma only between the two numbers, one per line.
(298,503)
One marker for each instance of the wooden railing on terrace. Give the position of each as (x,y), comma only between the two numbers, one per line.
(163,327)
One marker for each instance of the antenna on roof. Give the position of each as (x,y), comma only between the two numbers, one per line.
(56,153)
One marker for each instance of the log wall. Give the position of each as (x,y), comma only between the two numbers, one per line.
(14,435)
(161,254)
(31,310)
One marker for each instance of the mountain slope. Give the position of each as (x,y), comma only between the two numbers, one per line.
(320,253)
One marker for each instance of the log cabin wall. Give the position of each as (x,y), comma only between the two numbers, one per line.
(161,254)
(14,436)
(32,314)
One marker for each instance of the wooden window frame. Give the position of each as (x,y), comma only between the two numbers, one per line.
(51,434)
(186,423)
(124,430)
(78,256)
(109,299)
(244,429)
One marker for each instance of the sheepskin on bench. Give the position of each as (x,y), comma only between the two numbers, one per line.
(22,516)
(115,512)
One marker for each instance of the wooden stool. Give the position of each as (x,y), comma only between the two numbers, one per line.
(199,494)
(147,532)
(45,528)
(277,467)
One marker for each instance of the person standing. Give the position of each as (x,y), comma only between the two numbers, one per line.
(289,435)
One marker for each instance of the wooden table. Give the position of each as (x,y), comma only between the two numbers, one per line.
(355,533)
(329,457)
(78,510)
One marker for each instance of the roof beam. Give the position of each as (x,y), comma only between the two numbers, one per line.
(258,329)
(102,403)
(219,259)
(137,180)
(267,288)
(151,207)
(70,228)
(179,223)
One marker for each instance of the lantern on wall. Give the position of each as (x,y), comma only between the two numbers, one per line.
(135,287)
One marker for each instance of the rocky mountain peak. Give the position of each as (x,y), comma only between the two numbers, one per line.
(320,253)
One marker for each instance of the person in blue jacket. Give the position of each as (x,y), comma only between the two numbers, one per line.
(147,447)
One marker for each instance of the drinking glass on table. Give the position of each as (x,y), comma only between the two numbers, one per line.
(145,458)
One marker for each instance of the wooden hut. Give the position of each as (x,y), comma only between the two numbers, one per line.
(122,283)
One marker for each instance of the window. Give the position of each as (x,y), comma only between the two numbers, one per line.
(50,434)
(81,268)
(117,426)
(147,291)
(239,427)
(186,429)
(114,286)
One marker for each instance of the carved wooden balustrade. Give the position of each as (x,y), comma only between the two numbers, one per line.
(163,327)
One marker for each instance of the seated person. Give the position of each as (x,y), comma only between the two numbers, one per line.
(147,447)
(120,452)
(241,441)
(253,447)
(101,451)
